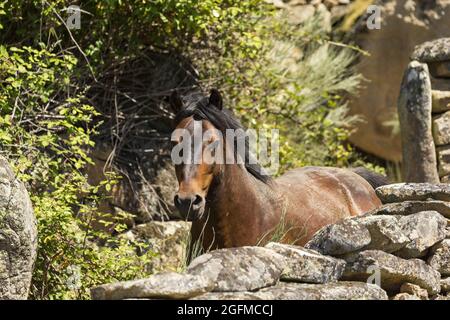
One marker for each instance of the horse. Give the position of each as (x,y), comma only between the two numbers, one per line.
(236,204)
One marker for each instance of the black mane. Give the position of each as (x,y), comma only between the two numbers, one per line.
(197,105)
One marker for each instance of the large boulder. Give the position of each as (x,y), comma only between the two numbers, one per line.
(160,286)
(239,269)
(404,25)
(391,270)
(18,236)
(414,110)
(307,265)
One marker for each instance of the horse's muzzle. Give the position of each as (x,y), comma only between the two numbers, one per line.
(190,207)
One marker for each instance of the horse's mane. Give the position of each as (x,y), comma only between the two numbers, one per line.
(197,105)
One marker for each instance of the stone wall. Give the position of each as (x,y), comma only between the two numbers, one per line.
(424,113)
(399,251)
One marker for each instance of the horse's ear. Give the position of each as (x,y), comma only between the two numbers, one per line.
(175,101)
(216,99)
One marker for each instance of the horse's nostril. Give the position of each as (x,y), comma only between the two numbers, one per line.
(198,199)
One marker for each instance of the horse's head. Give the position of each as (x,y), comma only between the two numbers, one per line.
(195,143)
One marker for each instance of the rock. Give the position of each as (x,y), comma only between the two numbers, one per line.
(441,297)
(303,291)
(410,207)
(391,271)
(432,51)
(300,14)
(340,238)
(330,291)
(308,266)
(441,101)
(386,233)
(440,69)
(423,229)
(18,236)
(404,25)
(160,286)
(441,129)
(405,296)
(443,155)
(239,269)
(414,290)
(167,239)
(414,109)
(413,191)
(440,257)
(228,296)
(445,285)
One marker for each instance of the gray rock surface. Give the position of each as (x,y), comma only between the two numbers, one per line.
(440,257)
(341,290)
(160,286)
(413,191)
(443,155)
(410,207)
(392,271)
(239,269)
(441,101)
(441,129)
(424,229)
(414,109)
(431,51)
(18,236)
(386,233)
(340,238)
(307,265)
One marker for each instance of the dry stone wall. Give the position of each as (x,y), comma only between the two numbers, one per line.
(399,251)
(424,113)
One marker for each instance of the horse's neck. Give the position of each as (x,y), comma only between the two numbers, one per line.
(241,205)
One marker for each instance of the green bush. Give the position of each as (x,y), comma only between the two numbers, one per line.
(46,130)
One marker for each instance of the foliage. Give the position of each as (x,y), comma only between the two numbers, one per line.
(294,79)
(45,130)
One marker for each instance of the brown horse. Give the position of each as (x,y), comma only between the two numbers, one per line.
(235,204)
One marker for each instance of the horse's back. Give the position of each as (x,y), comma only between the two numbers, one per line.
(318,196)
